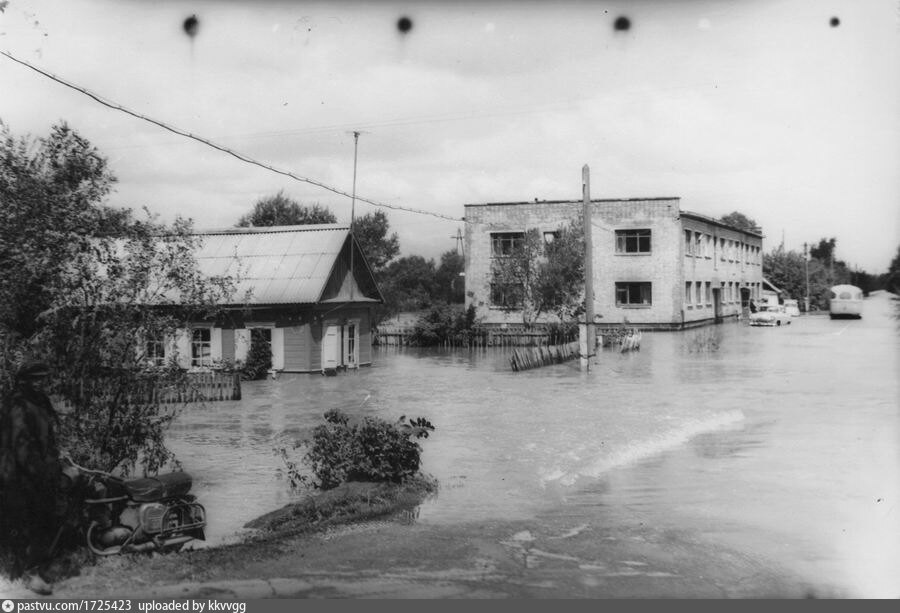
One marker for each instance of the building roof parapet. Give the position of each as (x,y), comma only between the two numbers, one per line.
(718,222)
(593,200)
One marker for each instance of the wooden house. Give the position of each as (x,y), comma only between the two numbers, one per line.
(307,290)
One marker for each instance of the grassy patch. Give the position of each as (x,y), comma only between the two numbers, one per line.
(348,503)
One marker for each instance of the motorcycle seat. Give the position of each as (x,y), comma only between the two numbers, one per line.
(168,485)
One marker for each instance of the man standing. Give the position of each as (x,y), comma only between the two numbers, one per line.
(29,477)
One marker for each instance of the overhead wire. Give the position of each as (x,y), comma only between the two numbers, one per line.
(240,156)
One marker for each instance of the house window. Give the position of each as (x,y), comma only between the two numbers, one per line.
(633,294)
(708,293)
(698,246)
(688,246)
(688,296)
(506,295)
(723,253)
(506,243)
(155,351)
(201,347)
(698,299)
(632,241)
(549,237)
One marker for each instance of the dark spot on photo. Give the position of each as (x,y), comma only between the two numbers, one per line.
(404,24)
(622,24)
(835,22)
(191,25)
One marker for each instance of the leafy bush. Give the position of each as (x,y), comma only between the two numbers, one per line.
(371,449)
(444,324)
(259,357)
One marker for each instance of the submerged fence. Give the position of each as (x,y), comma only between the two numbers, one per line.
(533,357)
(414,336)
(194,387)
(204,387)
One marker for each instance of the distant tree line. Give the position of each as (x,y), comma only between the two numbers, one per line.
(409,283)
(788,269)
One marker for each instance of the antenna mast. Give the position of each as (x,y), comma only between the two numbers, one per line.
(353,211)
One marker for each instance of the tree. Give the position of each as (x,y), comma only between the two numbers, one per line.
(740,221)
(408,284)
(891,280)
(280,210)
(787,271)
(542,276)
(90,290)
(450,286)
(371,231)
(49,188)
(824,251)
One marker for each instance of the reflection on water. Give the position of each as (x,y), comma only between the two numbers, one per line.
(782,441)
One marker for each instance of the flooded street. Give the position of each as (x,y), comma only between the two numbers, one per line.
(780,443)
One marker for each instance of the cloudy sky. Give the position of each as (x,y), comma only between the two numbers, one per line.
(788,111)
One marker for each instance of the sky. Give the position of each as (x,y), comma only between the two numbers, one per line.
(787,111)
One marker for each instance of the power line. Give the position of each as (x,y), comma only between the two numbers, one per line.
(222,148)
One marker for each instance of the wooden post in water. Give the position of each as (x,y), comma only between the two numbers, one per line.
(588,344)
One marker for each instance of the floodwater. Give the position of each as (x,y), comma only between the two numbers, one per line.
(783,443)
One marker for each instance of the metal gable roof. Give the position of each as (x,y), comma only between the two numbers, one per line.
(277,265)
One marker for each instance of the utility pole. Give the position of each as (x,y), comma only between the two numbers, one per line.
(806,265)
(589,343)
(460,249)
(353,211)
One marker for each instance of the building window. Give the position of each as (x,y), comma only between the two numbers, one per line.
(708,293)
(506,243)
(632,241)
(698,299)
(633,294)
(722,250)
(201,347)
(506,295)
(698,247)
(549,237)
(688,295)
(707,246)
(155,351)
(688,245)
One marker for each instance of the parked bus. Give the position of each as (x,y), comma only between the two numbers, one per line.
(845,302)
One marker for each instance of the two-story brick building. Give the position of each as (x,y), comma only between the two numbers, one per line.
(655,266)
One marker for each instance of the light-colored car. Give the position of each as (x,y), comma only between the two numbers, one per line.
(770,315)
(792,308)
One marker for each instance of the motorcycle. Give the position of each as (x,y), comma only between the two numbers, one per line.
(136,515)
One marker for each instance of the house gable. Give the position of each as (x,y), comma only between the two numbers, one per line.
(345,287)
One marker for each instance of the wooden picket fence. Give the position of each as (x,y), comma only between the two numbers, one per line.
(525,358)
(475,338)
(204,387)
(621,338)
(197,387)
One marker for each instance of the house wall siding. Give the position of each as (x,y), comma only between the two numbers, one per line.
(297,349)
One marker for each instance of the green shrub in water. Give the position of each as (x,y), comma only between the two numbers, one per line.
(371,449)
(259,357)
